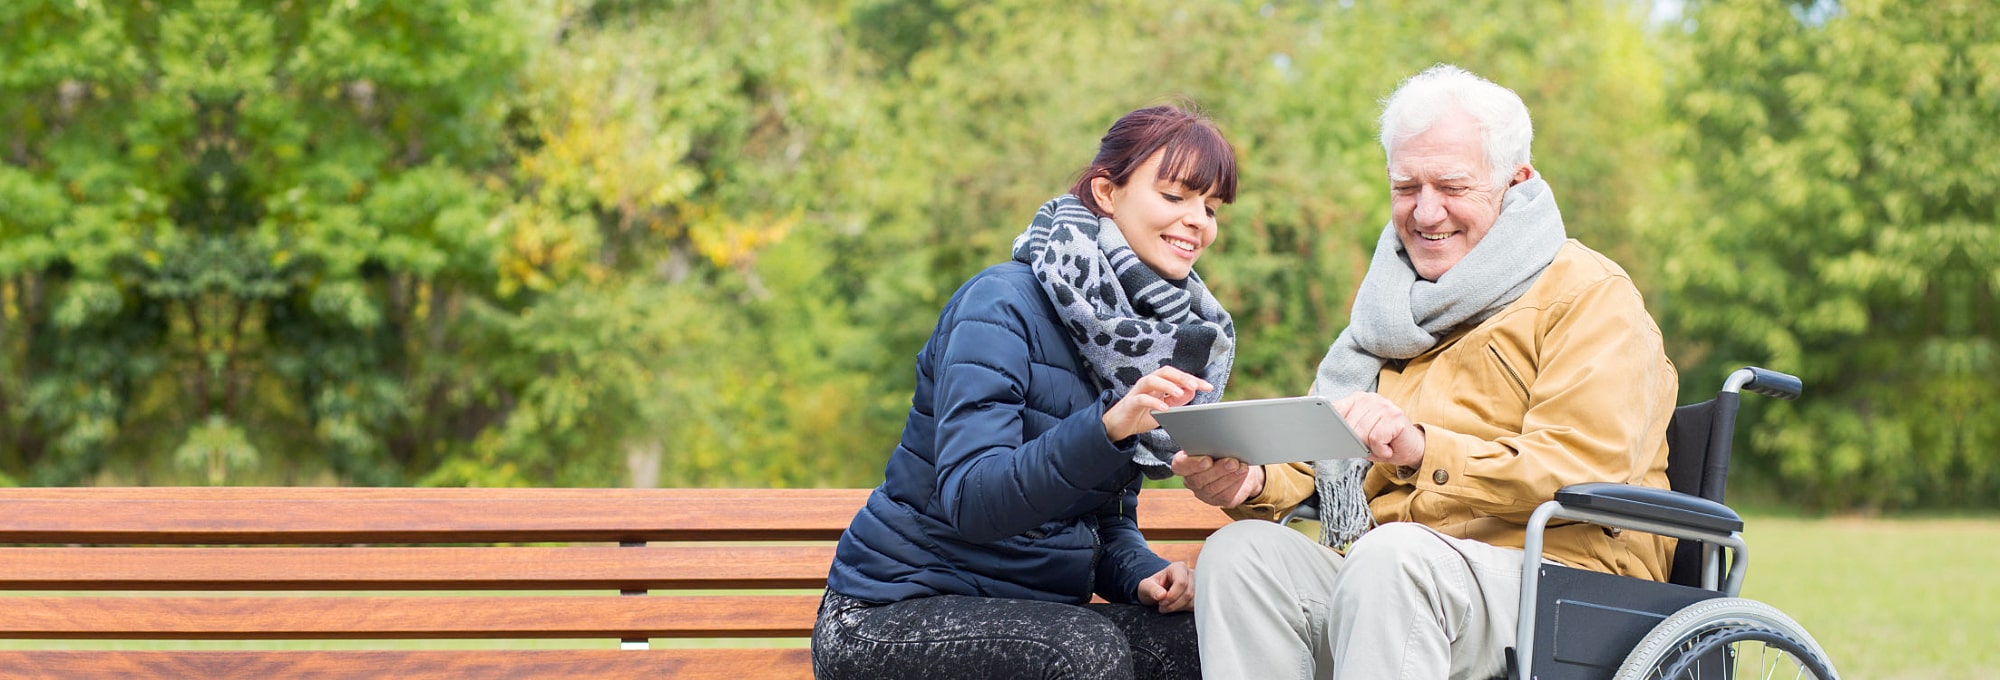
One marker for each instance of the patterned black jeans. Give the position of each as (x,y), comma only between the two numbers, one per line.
(956,636)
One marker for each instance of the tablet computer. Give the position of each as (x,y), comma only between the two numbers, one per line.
(1263,431)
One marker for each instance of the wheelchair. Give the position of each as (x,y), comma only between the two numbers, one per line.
(1577,623)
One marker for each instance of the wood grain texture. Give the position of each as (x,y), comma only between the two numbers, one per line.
(369,618)
(411,568)
(416,568)
(680,664)
(1176,515)
(293,515)
(283,543)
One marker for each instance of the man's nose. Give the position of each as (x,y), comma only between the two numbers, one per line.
(1430,207)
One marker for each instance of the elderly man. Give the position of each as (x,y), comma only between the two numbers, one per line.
(1490,361)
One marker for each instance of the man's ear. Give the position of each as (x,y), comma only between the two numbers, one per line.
(1104,191)
(1521,174)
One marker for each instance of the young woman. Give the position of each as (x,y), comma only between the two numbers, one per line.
(1010,499)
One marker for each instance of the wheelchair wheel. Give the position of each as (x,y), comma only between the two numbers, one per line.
(1727,638)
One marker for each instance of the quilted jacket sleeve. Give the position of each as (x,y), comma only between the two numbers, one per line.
(993,482)
(1127,558)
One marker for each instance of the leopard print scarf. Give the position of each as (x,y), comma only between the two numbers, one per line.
(1125,319)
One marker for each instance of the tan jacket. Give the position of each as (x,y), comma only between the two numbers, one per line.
(1569,384)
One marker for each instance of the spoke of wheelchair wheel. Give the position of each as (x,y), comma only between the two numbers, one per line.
(1697,667)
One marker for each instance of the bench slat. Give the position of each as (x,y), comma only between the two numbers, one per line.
(745,545)
(231,515)
(410,568)
(1176,515)
(612,664)
(845,496)
(369,618)
(403,521)
(406,568)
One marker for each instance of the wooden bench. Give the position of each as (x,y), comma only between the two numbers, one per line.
(743,565)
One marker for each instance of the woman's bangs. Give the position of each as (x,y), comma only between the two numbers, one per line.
(1199,158)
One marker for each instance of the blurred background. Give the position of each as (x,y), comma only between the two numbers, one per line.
(698,243)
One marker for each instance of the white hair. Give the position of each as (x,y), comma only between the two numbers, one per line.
(1427,97)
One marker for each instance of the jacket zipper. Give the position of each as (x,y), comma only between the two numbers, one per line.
(1511,375)
(1096,552)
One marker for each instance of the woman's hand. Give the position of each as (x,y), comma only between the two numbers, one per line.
(1158,391)
(1172,590)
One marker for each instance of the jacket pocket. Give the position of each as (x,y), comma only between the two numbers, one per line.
(1507,371)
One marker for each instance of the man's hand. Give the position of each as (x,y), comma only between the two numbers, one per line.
(1160,390)
(1221,482)
(1387,431)
(1172,590)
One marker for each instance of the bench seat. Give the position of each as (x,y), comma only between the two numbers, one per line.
(620,566)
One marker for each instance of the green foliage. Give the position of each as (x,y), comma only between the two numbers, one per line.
(237,218)
(688,242)
(1841,225)
(692,184)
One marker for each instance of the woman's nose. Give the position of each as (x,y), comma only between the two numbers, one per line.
(1198,217)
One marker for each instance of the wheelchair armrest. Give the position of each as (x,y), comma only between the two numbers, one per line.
(1627,506)
(1645,502)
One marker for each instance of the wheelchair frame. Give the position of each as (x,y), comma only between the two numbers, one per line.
(1583,624)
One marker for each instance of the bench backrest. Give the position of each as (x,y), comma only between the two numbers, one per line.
(539,564)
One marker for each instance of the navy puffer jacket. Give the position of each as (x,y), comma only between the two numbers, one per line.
(1004,483)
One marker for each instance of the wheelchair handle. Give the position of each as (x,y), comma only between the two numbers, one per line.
(1766,382)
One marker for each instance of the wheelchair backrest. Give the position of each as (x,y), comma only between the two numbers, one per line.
(1698,442)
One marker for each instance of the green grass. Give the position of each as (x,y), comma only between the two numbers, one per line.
(1888,599)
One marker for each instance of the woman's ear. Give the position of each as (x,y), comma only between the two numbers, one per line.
(1105,192)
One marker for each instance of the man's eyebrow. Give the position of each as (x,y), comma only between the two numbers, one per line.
(1397,177)
(1455,176)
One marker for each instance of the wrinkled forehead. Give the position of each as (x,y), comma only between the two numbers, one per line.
(1453,176)
(1451,148)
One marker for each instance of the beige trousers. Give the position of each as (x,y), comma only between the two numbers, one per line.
(1407,602)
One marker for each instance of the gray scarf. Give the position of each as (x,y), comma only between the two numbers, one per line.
(1399,316)
(1124,318)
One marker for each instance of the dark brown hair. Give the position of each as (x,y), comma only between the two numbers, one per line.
(1196,154)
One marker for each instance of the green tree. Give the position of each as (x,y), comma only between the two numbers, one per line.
(563,242)
(227,225)
(684,165)
(1840,224)
(381,242)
